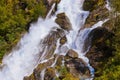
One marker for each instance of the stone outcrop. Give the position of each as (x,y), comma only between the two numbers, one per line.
(64,65)
(63,40)
(98,38)
(98,12)
(77,67)
(97,35)
(63,21)
(90,5)
(50,74)
(99,51)
(70,64)
(53,65)
(72,54)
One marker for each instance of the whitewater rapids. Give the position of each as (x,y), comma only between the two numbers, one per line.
(24,58)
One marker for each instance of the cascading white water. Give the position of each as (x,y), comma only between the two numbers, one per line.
(76,39)
(108,5)
(73,9)
(21,62)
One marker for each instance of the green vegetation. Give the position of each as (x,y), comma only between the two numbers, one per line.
(91,5)
(111,68)
(15,16)
(66,75)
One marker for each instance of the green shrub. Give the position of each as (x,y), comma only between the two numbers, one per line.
(15,15)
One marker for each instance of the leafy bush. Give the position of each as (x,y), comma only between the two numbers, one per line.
(15,15)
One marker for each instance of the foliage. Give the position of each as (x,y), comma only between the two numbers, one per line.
(66,74)
(111,69)
(15,15)
(116,5)
(70,77)
(91,5)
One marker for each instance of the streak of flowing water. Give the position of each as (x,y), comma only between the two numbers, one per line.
(21,62)
(77,16)
(54,62)
(108,5)
(48,15)
(42,74)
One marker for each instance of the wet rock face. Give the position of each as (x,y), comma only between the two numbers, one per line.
(98,11)
(63,21)
(63,67)
(49,3)
(99,52)
(72,54)
(90,5)
(53,1)
(63,40)
(37,71)
(49,44)
(50,41)
(50,74)
(77,67)
(70,63)
(97,35)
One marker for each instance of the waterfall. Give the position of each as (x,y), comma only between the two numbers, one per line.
(21,61)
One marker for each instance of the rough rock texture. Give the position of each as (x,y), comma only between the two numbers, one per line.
(71,53)
(50,74)
(63,21)
(63,40)
(70,67)
(49,3)
(99,51)
(55,65)
(98,12)
(77,67)
(97,35)
(90,5)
